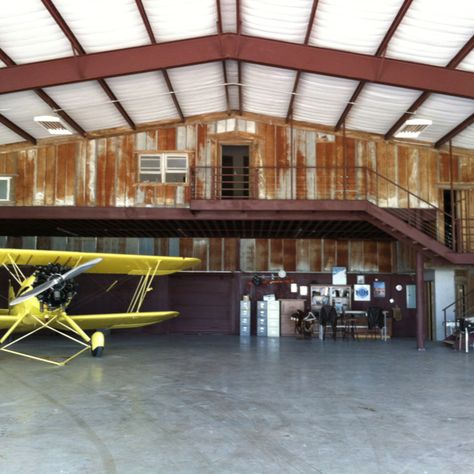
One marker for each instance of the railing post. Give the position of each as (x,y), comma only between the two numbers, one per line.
(420,302)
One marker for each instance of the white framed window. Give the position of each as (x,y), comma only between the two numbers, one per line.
(5,186)
(163,168)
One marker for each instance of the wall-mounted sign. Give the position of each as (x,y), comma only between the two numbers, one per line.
(361,292)
(339,275)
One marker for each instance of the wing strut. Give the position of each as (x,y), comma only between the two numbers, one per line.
(143,287)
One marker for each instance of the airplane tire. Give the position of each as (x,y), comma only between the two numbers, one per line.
(97,344)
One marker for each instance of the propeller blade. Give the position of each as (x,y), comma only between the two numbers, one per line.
(54,281)
(35,291)
(81,269)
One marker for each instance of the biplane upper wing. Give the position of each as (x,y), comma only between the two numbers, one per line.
(121,320)
(121,264)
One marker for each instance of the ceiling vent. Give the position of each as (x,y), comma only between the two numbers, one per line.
(52,124)
(412,128)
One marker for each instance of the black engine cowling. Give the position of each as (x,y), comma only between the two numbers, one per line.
(60,294)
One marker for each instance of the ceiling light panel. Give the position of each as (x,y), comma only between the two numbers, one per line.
(276,19)
(102,25)
(445,112)
(145,97)
(199,89)
(465,139)
(357,26)
(173,20)
(88,105)
(267,89)
(229,16)
(322,99)
(432,32)
(232,81)
(28,33)
(8,136)
(21,107)
(378,107)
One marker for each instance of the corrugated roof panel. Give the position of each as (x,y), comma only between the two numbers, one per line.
(379,107)
(446,113)
(468,63)
(322,99)
(276,19)
(172,20)
(7,136)
(229,16)
(104,25)
(21,108)
(358,26)
(267,89)
(145,97)
(232,80)
(28,33)
(433,32)
(88,105)
(199,89)
(465,139)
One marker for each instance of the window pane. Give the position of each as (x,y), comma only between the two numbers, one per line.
(175,177)
(150,163)
(4,189)
(176,162)
(150,177)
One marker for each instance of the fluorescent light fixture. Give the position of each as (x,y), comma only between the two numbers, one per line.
(52,124)
(412,128)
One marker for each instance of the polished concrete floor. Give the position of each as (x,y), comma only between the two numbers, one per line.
(222,404)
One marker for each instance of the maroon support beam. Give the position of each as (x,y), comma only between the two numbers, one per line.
(224,68)
(420,302)
(455,131)
(53,11)
(264,51)
(15,128)
(463,52)
(380,52)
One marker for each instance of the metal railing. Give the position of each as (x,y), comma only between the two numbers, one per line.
(333,183)
(453,322)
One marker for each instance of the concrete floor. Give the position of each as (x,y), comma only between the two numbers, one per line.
(221,404)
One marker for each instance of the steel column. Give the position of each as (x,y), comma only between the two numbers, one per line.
(420,302)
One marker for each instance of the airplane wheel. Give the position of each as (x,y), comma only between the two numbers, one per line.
(97,344)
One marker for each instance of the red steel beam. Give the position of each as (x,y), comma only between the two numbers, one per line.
(224,68)
(455,131)
(380,52)
(463,52)
(264,51)
(53,11)
(15,128)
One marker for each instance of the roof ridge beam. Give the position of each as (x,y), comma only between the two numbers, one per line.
(251,49)
(53,11)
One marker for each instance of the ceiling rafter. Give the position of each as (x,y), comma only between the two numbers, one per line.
(238,22)
(274,53)
(312,16)
(54,12)
(47,99)
(463,52)
(15,128)
(151,35)
(224,69)
(455,131)
(380,52)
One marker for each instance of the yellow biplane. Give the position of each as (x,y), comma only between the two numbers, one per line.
(42,298)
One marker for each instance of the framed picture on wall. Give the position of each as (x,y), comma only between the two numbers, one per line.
(361,292)
(379,289)
(339,275)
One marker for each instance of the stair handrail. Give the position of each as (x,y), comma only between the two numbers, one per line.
(454,303)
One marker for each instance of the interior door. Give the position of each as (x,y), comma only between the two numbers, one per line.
(235,172)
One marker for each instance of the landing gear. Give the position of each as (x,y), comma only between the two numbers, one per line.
(97,344)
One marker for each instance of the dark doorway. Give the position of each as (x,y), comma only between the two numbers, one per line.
(235,172)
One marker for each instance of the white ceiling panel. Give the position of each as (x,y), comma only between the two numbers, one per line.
(101,25)
(21,108)
(357,25)
(199,89)
(379,107)
(28,33)
(178,19)
(267,90)
(88,105)
(229,16)
(7,136)
(232,80)
(465,139)
(277,19)
(445,112)
(468,63)
(433,31)
(145,97)
(322,99)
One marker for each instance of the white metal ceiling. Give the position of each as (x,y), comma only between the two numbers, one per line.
(431,32)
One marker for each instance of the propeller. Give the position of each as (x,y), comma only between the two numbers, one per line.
(55,281)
